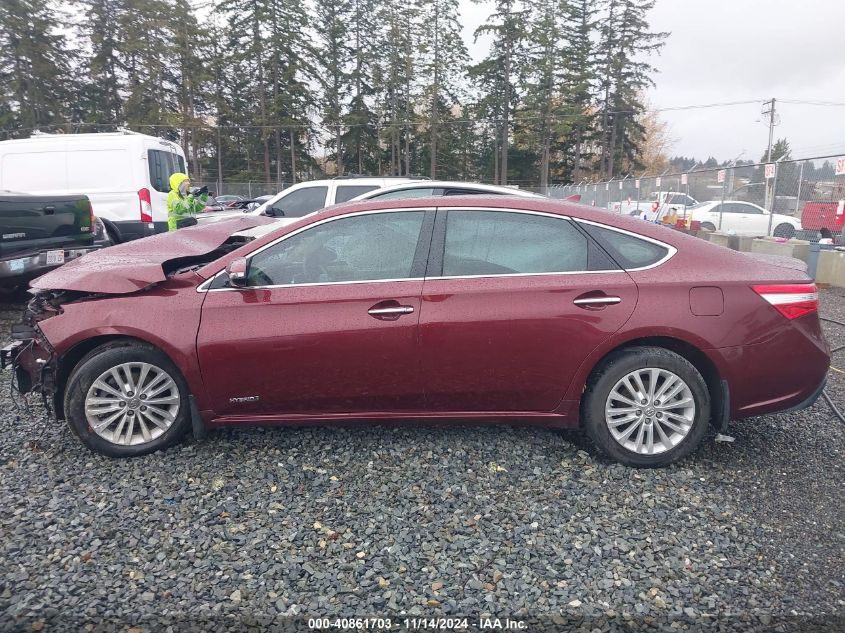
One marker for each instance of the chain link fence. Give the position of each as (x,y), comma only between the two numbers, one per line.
(807,195)
(247,190)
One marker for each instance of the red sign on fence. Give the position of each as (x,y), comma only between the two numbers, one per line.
(770,171)
(840,166)
(720,176)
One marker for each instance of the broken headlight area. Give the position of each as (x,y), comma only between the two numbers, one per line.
(30,355)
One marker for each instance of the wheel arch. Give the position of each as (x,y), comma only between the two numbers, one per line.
(71,359)
(701,361)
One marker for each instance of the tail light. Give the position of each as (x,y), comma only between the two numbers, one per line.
(92,222)
(791,300)
(146,205)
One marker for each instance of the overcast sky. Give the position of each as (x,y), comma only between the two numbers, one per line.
(740,50)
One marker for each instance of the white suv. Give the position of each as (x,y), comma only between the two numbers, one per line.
(437,188)
(306,197)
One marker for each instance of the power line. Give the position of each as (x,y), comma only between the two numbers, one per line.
(835,104)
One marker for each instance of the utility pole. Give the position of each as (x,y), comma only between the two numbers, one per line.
(771,114)
(772,122)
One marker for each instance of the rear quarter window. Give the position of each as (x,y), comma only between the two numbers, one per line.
(628,251)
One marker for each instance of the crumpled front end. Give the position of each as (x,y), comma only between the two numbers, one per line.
(30,355)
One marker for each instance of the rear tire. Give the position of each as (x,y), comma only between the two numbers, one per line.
(675,425)
(708,226)
(125,399)
(784,230)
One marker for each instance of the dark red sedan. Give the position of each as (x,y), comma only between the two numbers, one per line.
(467,308)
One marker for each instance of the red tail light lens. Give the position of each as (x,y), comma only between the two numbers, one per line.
(91,221)
(146,205)
(791,300)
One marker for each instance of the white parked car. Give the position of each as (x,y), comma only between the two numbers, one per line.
(658,204)
(429,188)
(124,174)
(306,197)
(743,218)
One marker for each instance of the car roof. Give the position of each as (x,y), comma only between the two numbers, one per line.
(538,204)
(563,208)
(446,183)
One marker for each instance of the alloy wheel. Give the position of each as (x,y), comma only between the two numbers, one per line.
(650,411)
(132,403)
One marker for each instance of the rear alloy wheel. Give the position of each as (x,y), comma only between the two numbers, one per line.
(784,230)
(646,407)
(127,400)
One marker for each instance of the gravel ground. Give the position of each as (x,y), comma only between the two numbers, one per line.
(255,529)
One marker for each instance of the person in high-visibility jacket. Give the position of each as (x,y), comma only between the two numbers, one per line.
(182,202)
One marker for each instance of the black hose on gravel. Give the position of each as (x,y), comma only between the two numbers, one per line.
(826,395)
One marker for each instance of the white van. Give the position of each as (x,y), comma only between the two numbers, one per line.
(124,174)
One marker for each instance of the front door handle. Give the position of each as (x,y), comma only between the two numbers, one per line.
(389,310)
(596,300)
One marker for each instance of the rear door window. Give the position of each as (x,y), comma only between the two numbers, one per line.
(347,192)
(504,243)
(162,165)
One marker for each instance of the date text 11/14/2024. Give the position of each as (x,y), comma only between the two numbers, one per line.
(417,624)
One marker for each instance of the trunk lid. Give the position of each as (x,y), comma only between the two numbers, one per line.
(132,266)
(781,261)
(32,224)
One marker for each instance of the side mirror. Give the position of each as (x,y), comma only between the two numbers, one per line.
(275,212)
(237,270)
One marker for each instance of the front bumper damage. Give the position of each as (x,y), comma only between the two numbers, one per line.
(29,355)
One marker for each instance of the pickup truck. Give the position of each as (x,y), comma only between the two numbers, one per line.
(39,233)
(828,218)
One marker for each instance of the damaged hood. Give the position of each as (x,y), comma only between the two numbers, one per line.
(129,267)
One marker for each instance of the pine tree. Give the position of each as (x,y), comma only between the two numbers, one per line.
(148,51)
(443,57)
(497,73)
(398,56)
(101,100)
(292,70)
(334,60)
(361,138)
(35,76)
(579,70)
(626,41)
(542,108)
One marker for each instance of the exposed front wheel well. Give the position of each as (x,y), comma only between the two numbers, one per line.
(74,356)
(691,353)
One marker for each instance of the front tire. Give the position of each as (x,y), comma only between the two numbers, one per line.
(708,226)
(784,230)
(127,399)
(646,407)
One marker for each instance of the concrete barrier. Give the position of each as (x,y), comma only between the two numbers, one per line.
(745,243)
(798,249)
(830,268)
(723,239)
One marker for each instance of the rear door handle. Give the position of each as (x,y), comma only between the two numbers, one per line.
(596,300)
(397,311)
(389,310)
